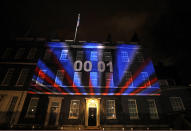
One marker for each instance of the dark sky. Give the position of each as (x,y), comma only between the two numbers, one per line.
(163,26)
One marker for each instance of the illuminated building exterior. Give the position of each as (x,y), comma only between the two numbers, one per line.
(82,85)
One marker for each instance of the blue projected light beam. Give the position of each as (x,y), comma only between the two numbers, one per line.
(94,75)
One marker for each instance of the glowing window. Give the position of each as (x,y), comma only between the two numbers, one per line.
(32,53)
(145,78)
(94,78)
(110,109)
(132,107)
(20,53)
(41,77)
(176,103)
(74,109)
(107,56)
(94,56)
(79,55)
(64,55)
(8,77)
(125,56)
(77,78)
(128,77)
(22,77)
(59,77)
(32,108)
(153,109)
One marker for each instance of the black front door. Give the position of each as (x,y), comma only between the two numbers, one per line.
(92,117)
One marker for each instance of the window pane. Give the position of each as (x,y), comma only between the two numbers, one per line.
(153,109)
(77,78)
(94,56)
(125,56)
(8,77)
(93,79)
(22,77)
(32,108)
(59,77)
(64,55)
(79,55)
(176,103)
(110,109)
(74,109)
(32,53)
(133,112)
(20,53)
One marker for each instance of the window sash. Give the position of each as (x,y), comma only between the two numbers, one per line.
(132,107)
(32,108)
(153,109)
(177,104)
(8,77)
(22,77)
(64,55)
(74,109)
(77,78)
(110,109)
(59,77)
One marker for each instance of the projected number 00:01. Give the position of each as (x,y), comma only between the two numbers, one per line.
(78,65)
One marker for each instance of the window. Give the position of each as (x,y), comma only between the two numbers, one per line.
(176,103)
(107,56)
(93,78)
(94,56)
(163,83)
(32,108)
(41,77)
(74,109)
(8,77)
(11,107)
(145,78)
(22,77)
(125,56)
(79,55)
(109,78)
(64,55)
(59,77)
(77,78)
(19,53)
(7,53)
(139,57)
(132,106)
(110,109)
(32,53)
(47,54)
(153,109)
(128,77)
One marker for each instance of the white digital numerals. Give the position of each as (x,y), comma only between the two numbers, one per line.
(78,65)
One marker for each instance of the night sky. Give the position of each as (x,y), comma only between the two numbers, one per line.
(162,26)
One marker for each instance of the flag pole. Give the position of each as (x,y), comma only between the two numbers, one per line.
(77,25)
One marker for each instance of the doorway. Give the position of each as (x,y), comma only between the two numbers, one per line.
(92,113)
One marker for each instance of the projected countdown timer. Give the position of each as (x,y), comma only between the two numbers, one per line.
(78,65)
(101,70)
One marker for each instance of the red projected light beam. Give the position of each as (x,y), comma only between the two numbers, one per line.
(141,88)
(133,77)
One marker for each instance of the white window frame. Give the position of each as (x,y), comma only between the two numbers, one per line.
(77,78)
(145,77)
(74,109)
(28,115)
(153,109)
(133,109)
(22,77)
(59,77)
(176,103)
(110,109)
(94,56)
(7,79)
(125,56)
(64,55)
